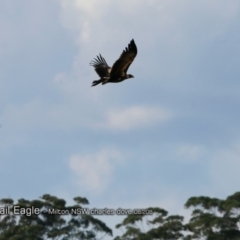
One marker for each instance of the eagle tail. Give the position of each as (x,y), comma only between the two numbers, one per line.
(105,81)
(96,82)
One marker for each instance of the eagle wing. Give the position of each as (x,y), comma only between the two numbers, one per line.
(121,66)
(101,67)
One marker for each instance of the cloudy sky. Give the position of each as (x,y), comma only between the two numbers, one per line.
(171,132)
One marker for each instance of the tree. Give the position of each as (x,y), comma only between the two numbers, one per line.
(49,218)
(160,226)
(214,219)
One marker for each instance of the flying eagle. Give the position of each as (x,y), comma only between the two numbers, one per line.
(118,72)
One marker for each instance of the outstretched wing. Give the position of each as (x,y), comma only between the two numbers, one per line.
(101,67)
(121,66)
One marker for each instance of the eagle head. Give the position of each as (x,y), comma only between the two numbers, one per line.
(130,76)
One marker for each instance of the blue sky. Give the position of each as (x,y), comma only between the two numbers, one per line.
(170,133)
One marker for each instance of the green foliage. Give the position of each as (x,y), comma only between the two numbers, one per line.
(160,226)
(44,225)
(211,219)
(214,219)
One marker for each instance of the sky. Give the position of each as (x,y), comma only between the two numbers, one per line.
(169,133)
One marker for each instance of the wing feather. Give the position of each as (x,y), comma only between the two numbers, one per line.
(101,67)
(121,66)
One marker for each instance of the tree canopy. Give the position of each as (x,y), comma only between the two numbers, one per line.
(211,219)
(160,225)
(214,219)
(50,218)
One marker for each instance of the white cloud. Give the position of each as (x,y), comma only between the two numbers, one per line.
(175,31)
(60,77)
(170,19)
(79,16)
(133,117)
(38,113)
(94,171)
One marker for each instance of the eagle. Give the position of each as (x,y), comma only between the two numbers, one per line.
(118,72)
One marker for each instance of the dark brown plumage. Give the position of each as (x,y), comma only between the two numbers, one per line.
(102,69)
(118,72)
